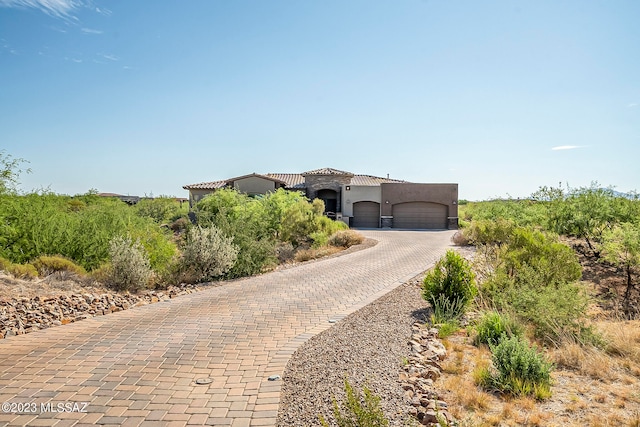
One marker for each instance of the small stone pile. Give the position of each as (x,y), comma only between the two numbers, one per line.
(22,315)
(422,369)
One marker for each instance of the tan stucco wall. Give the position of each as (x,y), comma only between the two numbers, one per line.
(358,193)
(196,195)
(445,194)
(254,185)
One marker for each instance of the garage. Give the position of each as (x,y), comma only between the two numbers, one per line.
(366,215)
(421,215)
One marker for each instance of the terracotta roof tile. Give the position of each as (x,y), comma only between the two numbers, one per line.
(291,180)
(296,181)
(371,180)
(327,171)
(206,185)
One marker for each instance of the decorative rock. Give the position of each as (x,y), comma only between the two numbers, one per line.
(23,315)
(422,370)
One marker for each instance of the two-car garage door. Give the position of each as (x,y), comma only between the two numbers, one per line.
(420,215)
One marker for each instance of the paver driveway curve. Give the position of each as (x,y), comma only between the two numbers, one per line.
(139,366)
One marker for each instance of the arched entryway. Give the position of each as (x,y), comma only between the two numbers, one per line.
(330,199)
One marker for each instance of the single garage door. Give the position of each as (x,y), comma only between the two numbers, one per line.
(366,215)
(422,215)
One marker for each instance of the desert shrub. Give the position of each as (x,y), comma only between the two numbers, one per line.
(78,228)
(129,268)
(303,255)
(51,264)
(285,252)
(493,327)
(207,254)
(318,239)
(163,209)
(520,212)
(551,260)
(489,232)
(180,224)
(451,282)
(460,239)
(554,311)
(518,369)
(4,264)
(244,220)
(22,271)
(345,238)
(358,410)
(621,247)
(258,225)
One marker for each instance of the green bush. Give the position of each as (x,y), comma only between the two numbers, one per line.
(555,310)
(518,370)
(489,232)
(207,254)
(51,264)
(163,209)
(358,410)
(259,225)
(78,228)
(129,268)
(450,283)
(345,238)
(551,260)
(493,327)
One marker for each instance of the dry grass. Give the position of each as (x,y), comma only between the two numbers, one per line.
(53,285)
(590,387)
(309,254)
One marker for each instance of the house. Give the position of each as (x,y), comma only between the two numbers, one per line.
(361,201)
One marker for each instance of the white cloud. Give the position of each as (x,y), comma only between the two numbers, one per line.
(109,57)
(565,147)
(91,31)
(57,8)
(633,104)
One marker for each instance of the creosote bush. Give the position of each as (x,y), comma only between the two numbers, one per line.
(450,285)
(358,410)
(207,254)
(129,268)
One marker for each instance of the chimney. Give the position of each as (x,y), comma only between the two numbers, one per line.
(387,176)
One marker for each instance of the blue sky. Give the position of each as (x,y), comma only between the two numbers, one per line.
(142,97)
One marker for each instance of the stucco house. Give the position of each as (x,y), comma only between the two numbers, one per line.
(362,201)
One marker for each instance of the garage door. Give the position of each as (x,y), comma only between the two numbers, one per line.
(421,215)
(366,215)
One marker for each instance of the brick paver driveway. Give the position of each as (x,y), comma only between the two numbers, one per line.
(140,366)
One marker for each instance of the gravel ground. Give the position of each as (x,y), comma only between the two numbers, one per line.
(368,347)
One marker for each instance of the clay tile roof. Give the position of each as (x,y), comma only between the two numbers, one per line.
(327,171)
(291,180)
(219,184)
(371,180)
(206,185)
